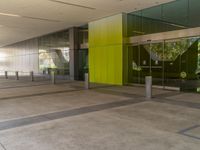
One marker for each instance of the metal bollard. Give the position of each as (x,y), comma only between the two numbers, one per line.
(53,79)
(32,76)
(6,74)
(17,75)
(87,84)
(148,84)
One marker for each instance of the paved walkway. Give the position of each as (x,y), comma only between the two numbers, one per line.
(65,116)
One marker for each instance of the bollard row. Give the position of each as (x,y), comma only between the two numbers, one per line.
(53,77)
(17,75)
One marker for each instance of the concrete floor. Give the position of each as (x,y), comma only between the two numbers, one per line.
(41,116)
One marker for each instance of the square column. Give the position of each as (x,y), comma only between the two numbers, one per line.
(74,53)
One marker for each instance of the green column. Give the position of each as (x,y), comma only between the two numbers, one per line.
(106,46)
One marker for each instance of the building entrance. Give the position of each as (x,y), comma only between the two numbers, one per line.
(171,63)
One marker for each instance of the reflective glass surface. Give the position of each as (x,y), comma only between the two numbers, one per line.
(171,63)
(176,15)
(54,53)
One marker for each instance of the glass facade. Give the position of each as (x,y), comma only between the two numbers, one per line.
(176,15)
(83,52)
(171,63)
(46,53)
(54,53)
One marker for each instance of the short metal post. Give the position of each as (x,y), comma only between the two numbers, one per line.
(32,76)
(87,84)
(6,74)
(53,79)
(148,84)
(17,75)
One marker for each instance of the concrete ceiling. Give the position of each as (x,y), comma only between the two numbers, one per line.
(25,19)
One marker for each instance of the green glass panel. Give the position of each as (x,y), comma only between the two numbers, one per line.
(175,15)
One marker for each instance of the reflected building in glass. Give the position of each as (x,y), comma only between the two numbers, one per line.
(52,52)
(172,62)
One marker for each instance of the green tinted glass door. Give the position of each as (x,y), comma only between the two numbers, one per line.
(134,69)
(189,67)
(172,63)
(83,63)
(145,63)
(157,65)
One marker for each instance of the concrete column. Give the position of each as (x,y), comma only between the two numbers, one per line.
(32,76)
(74,49)
(148,84)
(6,74)
(17,75)
(87,82)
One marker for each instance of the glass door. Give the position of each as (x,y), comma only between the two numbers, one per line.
(189,65)
(134,64)
(83,63)
(146,59)
(181,63)
(157,66)
(172,62)
(144,62)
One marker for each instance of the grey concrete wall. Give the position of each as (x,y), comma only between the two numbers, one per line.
(22,56)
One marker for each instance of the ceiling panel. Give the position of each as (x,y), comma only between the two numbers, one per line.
(25,19)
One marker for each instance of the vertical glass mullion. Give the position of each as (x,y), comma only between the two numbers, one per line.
(139,74)
(163,65)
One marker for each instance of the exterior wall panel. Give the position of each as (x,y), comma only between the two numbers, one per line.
(21,56)
(106,50)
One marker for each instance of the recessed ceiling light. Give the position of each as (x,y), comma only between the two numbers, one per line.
(72,4)
(10,15)
(42,19)
(28,17)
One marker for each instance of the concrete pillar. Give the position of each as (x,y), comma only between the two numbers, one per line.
(32,76)
(17,75)
(87,82)
(74,53)
(148,84)
(6,74)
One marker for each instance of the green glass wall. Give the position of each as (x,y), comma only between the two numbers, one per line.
(171,63)
(176,15)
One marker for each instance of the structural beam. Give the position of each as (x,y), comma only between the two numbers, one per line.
(192,32)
